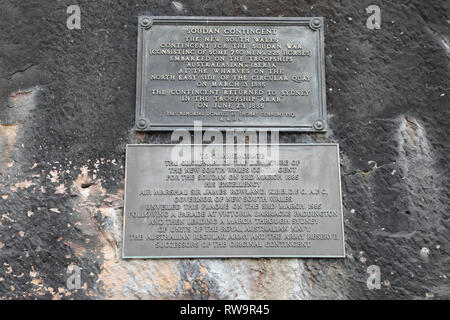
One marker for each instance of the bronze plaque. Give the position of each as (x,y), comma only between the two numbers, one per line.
(230,72)
(283,206)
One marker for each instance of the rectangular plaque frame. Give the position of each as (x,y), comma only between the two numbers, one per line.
(138,169)
(312,114)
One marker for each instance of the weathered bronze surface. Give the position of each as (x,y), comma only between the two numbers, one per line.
(233,209)
(230,72)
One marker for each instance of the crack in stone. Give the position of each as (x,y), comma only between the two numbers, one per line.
(367,170)
(24,69)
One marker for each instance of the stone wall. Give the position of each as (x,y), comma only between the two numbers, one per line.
(67,100)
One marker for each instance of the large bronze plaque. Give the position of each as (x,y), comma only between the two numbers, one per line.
(230,72)
(199,208)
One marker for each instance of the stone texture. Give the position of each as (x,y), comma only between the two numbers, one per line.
(67,110)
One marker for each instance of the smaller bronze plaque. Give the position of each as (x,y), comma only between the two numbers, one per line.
(250,205)
(230,72)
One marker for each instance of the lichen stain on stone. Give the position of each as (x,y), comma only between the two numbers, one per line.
(86,202)
(40,289)
(53,176)
(21,185)
(118,278)
(77,249)
(141,136)
(415,151)
(410,127)
(127,279)
(61,189)
(20,95)
(8,136)
(24,98)
(142,279)
(196,281)
(255,278)
(276,279)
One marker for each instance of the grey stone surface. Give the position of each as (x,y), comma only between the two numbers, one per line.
(67,100)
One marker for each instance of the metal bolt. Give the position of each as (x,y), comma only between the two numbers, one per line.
(316,23)
(142,124)
(145,22)
(319,125)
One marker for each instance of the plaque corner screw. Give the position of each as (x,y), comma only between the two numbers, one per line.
(319,125)
(142,124)
(315,24)
(146,23)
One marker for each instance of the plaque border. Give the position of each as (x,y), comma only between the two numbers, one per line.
(145,22)
(237,256)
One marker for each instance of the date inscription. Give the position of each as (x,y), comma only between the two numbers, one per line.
(246,206)
(230,72)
